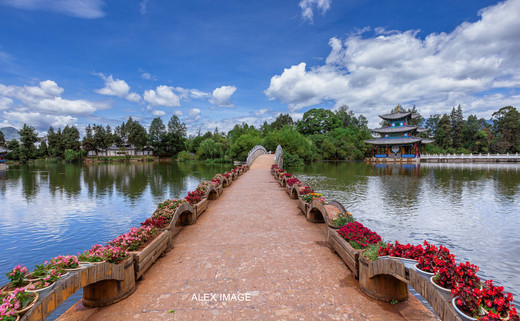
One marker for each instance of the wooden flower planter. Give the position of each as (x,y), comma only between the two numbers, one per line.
(303,206)
(214,192)
(235,176)
(332,210)
(143,259)
(316,212)
(384,280)
(227,181)
(201,207)
(113,283)
(348,254)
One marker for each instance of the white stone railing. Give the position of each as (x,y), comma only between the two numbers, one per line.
(278,156)
(471,156)
(254,153)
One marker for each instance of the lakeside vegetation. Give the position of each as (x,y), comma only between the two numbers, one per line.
(321,134)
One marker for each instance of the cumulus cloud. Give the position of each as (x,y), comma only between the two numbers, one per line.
(162,96)
(194,114)
(42,105)
(308,7)
(88,9)
(374,74)
(221,96)
(118,88)
(158,113)
(39,120)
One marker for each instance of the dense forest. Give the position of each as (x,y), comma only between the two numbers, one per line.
(321,134)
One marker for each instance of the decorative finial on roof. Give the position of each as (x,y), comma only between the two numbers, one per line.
(399,108)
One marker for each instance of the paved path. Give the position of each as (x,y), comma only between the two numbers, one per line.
(253,241)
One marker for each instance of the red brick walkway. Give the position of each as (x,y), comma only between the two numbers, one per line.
(252,243)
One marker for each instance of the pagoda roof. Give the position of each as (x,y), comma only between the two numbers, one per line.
(398,129)
(398,141)
(422,130)
(394,116)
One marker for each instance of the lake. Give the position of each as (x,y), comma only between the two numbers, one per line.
(48,210)
(474,210)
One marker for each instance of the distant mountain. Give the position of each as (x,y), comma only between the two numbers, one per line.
(10,133)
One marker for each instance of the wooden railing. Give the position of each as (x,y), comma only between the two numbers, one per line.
(472,156)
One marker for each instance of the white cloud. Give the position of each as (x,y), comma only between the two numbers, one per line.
(39,120)
(261,111)
(222,95)
(442,70)
(178,113)
(146,76)
(194,114)
(118,88)
(158,113)
(89,9)
(162,96)
(5,103)
(308,6)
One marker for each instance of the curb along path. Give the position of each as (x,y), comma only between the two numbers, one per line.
(251,255)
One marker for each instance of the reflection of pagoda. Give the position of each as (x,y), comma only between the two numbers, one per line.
(398,141)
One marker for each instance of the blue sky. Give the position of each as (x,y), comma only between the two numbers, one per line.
(218,63)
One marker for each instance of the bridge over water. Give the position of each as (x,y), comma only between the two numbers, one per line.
(251,256)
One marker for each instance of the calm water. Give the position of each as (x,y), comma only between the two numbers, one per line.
(65,209)
(474,210)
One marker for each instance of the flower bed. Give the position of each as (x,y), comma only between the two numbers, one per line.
(145,256)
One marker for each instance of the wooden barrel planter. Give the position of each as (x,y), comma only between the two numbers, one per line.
(227,181)
(143,259)
(333,208)
(303,206)
(234,176)
(384,280)
(110,291)
(348,254)
(214,192)
(201,207)
(185,215)
(282,182)
(316,212)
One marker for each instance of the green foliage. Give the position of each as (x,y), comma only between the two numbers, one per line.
(210,149)
(176,136)
(282,120)
(72,155)
(28,137)
(318,121)
(506,125)
(185,156)
(291,160)
(371,252)
(157,136)
(292,143)
(43,150)
(243,144)
(2,139)
(14,147)
(70,136)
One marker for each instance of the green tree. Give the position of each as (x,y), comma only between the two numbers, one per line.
(210,149)
(282,120)
(457,127)
(136,134)
(243,144)
(14,147)
(55,143)
(28,137)
(176,136)
(43,151)
(70,136)
(506,126)
(88,143)
(318,121)
(157,135)
(292,142)
(443,132)
(100,138)
(109,136)
(2,139)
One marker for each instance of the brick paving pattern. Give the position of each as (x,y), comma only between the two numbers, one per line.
(254,241)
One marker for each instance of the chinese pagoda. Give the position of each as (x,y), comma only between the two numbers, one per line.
(398,141)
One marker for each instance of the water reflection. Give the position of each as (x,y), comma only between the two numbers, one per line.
(471,208)
(53,209)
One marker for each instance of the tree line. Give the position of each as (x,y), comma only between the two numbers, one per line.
(321,134)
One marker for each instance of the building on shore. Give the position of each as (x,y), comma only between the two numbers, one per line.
(398,141)
(3,152)
(114,151)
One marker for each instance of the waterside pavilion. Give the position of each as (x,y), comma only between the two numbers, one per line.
(398,141)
